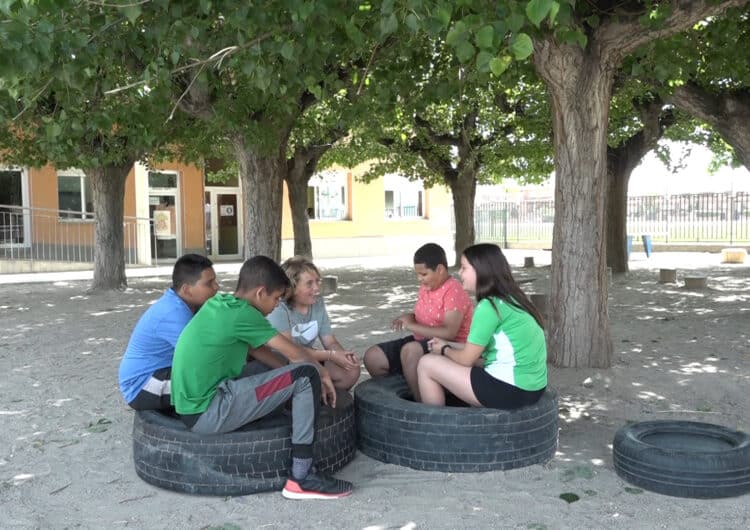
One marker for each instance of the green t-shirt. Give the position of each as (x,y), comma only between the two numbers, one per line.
(213,348)
(514,347)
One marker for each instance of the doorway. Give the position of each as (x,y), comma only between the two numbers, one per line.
(223,223)
(15,218)
(164,213)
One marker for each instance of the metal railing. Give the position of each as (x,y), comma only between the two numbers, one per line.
(43,234)
(682,218)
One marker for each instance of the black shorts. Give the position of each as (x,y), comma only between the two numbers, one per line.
(145,400)
(392,350)
(496,394)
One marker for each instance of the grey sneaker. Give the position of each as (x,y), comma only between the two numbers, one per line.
(316,485)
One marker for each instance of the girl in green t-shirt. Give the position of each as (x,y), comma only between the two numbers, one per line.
(503,364)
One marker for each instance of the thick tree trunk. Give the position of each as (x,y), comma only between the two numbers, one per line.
(728,112)
(464,190)
(580,86)
(262,177)
(297,179)
(108,188)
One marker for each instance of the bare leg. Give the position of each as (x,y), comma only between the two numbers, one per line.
(411,353)
(342,379)
(376,362)
(436,374)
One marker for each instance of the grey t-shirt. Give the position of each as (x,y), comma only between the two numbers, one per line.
(304,329)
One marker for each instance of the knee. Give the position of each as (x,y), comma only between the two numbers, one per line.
(348,379)
(411,353)
(425,366)
(375,361)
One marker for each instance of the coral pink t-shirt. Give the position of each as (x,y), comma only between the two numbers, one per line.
(432,305)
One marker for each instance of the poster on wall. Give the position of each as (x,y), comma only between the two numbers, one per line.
(162,223)
(226,210)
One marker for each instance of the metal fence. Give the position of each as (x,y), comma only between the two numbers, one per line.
(683,218)
(42,234)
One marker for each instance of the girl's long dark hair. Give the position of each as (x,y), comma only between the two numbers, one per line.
(494,278)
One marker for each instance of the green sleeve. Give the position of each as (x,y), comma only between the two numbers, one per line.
(253,328)
(484,323)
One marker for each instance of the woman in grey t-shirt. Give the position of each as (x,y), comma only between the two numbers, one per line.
(302,317)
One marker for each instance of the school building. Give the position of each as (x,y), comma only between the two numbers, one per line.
(46,216)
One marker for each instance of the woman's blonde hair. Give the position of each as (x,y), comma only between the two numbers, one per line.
(294,267)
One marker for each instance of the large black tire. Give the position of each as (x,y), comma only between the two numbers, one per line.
(392,429)
(253,459)
(683,458)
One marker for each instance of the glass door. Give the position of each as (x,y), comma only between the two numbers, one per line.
(164,212)
(223,223)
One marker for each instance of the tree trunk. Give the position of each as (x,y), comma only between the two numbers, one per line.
(617,215)
(262,176)
(108,188)
(464,190)
(621,161)
(297,178)
(300,169)
(580,87)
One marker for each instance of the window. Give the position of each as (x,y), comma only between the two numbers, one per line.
(403,198)
(326,196)
(74,196)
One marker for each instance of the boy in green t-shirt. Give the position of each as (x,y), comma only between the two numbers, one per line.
(214,392)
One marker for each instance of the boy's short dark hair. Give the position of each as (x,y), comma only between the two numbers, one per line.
(188,270)
(262,271)
(431,255)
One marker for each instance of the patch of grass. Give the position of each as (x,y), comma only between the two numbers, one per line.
(590,493)
(569,497)
(536,526)
(101,425)
(634,491)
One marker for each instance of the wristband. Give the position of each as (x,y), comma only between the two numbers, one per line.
(442,350)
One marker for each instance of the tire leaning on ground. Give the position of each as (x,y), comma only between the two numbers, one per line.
(683,458)
(253,459)
(393,429)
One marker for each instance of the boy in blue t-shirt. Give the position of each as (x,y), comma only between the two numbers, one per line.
(145,369)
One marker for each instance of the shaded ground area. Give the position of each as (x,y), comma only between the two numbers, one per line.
(65,443)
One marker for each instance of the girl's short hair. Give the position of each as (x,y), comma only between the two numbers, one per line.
(294,267)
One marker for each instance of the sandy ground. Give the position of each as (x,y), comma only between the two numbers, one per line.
(65,439)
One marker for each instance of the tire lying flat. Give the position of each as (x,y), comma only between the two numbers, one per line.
(683,458)
(392,429)
(253,459)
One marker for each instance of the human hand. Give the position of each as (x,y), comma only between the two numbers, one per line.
(327,390)
(347,360)
(404,321)
(435,345)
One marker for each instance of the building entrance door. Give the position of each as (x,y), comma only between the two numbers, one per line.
(14,217)
(223,223)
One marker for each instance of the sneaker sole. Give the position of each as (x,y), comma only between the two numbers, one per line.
(310,495)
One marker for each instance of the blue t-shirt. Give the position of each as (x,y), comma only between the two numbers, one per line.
(152,343)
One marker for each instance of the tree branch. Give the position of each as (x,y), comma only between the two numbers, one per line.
(621,36)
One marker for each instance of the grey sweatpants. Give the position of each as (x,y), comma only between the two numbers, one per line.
(250,397)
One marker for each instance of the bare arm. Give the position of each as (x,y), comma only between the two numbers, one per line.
(266,356)
(466,356)
(447,331)
(346,359)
